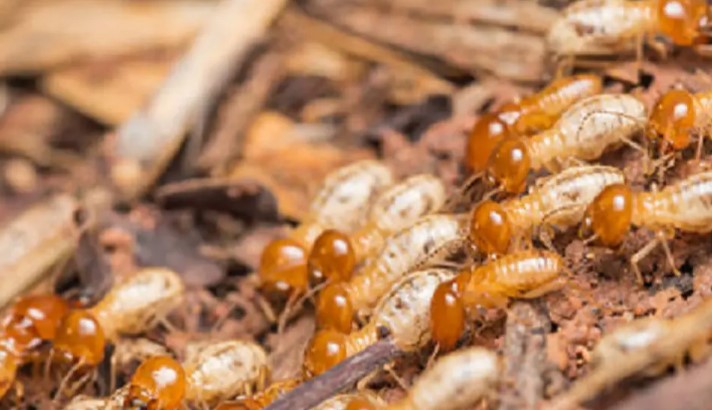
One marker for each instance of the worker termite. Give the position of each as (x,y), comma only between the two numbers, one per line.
(647,345)
(406,250)
(608,27)
(223,370)
(559,200)
(636,335)
(403,312)
(131,307)
(340,204)
(526,274)
(685,205)
(677,114)
(457,381)
(262,399)
(217,371)
(334,255)
(29,321)
(530,114)
(582,133)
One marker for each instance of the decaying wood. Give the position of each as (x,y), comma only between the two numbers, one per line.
(337,379)
(316,30)
(240,110)
(51,33)
(522,14)
(26,127)
(146,143)
(35,241)
(524,350)
(511,54)
(108,91)
(243,198)
(689,390)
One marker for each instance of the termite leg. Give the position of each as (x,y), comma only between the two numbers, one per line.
(640,255)
(700,144)
(552,286)
(662,238)
(399,381)
(464,194)
(546,236)
(66,379)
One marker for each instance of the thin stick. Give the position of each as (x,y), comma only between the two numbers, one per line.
(150,139)
(337,379)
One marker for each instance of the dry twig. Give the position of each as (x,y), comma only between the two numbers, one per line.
(147,142)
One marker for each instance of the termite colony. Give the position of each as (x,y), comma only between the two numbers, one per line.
(383,261)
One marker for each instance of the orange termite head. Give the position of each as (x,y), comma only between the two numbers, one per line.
(80,338)
(673,118)
(490,228)
(447,315)
(488,131)
(34,319)
(682,20)
(509,165)
(334,309)
(325,350)
(283,269)
(332,258)
(610,214)
(159,383)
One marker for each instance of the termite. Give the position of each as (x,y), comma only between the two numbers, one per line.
(262,399)
(685,205)
(334,255)
(351,401)
(29,322)
(605,27)
(457,381)
(647,345)
(403,313)
(636,335)
(218,371)
(406,250)
(677,114)
(522,275)
(530,114)
(582,133)
(224,370)
(115,402)
(340,204)
(131,307)
(559,200)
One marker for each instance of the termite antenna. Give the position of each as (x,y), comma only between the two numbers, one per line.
(464,194)
(65,381)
